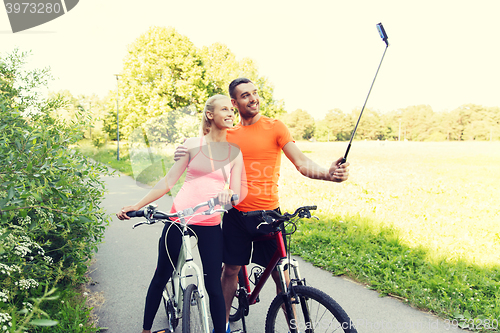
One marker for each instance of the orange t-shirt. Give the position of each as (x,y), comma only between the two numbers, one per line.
(261,145)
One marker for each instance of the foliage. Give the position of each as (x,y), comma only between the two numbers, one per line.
(336,126)
(146,164)
(300,123)
(221,67)
(163,71)
(172,127)
(414,123)
(50,219)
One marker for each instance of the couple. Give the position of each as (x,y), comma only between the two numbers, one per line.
(260,141)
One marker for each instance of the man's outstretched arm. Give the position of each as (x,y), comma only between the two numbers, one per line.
(336,173)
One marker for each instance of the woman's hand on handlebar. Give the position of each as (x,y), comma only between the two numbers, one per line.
(122,215)
(225,197)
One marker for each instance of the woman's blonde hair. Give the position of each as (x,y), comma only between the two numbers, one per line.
(209,106)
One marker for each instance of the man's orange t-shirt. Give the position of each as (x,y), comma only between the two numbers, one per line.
(261,145)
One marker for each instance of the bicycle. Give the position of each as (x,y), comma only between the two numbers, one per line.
(180,298)
(299,308)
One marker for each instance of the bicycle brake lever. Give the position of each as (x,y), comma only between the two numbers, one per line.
(261,224)
(315,217)
(140,223)
(268,220)
(212,211)
(144,222)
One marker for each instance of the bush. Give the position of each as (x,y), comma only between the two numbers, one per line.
(50,219)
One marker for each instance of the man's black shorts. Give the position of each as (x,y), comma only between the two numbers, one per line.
(239,231)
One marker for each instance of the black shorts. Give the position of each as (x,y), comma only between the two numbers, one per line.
(239,231)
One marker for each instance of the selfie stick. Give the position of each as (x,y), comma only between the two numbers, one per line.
(384,37)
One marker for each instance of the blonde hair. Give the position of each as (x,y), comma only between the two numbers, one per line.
(209,106)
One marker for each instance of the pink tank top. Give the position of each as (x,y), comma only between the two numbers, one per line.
(205,178)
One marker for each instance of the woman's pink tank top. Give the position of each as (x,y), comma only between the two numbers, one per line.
(205,178)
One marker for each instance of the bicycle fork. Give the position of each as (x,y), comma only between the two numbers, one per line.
(290,298)
(187,264)
(285,264)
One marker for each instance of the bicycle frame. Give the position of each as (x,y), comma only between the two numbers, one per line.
(174,304)
(180,275)
(279,260)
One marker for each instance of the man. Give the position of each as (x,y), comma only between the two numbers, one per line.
(261,140)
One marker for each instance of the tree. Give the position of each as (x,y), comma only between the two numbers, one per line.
(370,126)
(339,124)
(416,122)
(220,67)
(300,123)
(162,72)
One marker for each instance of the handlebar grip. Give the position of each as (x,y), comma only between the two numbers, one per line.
(311,207)
(254,213)
(233,199)
(136,213)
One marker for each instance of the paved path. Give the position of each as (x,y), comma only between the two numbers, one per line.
(126,260)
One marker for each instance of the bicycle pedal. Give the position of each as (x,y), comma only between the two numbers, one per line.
(165,330)
(238,331)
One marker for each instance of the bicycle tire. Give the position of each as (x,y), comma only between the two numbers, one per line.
(326,313)
(168,303)
(192,314)
(236,311)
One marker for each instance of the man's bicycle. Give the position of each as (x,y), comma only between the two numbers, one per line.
(184,296)
(300,308)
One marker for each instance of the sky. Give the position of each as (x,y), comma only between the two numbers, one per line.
(319,55)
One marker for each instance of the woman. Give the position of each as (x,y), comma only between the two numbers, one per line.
(210,162)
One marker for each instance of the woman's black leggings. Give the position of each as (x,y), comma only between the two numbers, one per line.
(210,248)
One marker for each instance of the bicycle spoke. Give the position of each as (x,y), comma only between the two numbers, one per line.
(316,312)
(192,315)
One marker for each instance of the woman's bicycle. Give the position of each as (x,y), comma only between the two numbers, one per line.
(300,308)
(184,296)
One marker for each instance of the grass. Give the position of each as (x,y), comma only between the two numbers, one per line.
(146,166)
(417,221)
(72,314)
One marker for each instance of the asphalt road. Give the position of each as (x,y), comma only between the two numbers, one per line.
(126,261)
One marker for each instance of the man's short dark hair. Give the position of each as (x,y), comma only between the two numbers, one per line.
(235,83)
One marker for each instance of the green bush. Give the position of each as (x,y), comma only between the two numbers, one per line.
(50,219)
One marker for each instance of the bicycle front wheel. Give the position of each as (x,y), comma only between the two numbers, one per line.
(192,311)
(312,311)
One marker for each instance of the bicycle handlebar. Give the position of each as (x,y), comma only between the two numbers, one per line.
(302,212)
(274,219)
(151,214)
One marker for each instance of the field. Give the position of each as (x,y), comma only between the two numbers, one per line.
(444,197)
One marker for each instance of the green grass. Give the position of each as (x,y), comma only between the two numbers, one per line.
(376,257)
(71,313)
(146,166)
